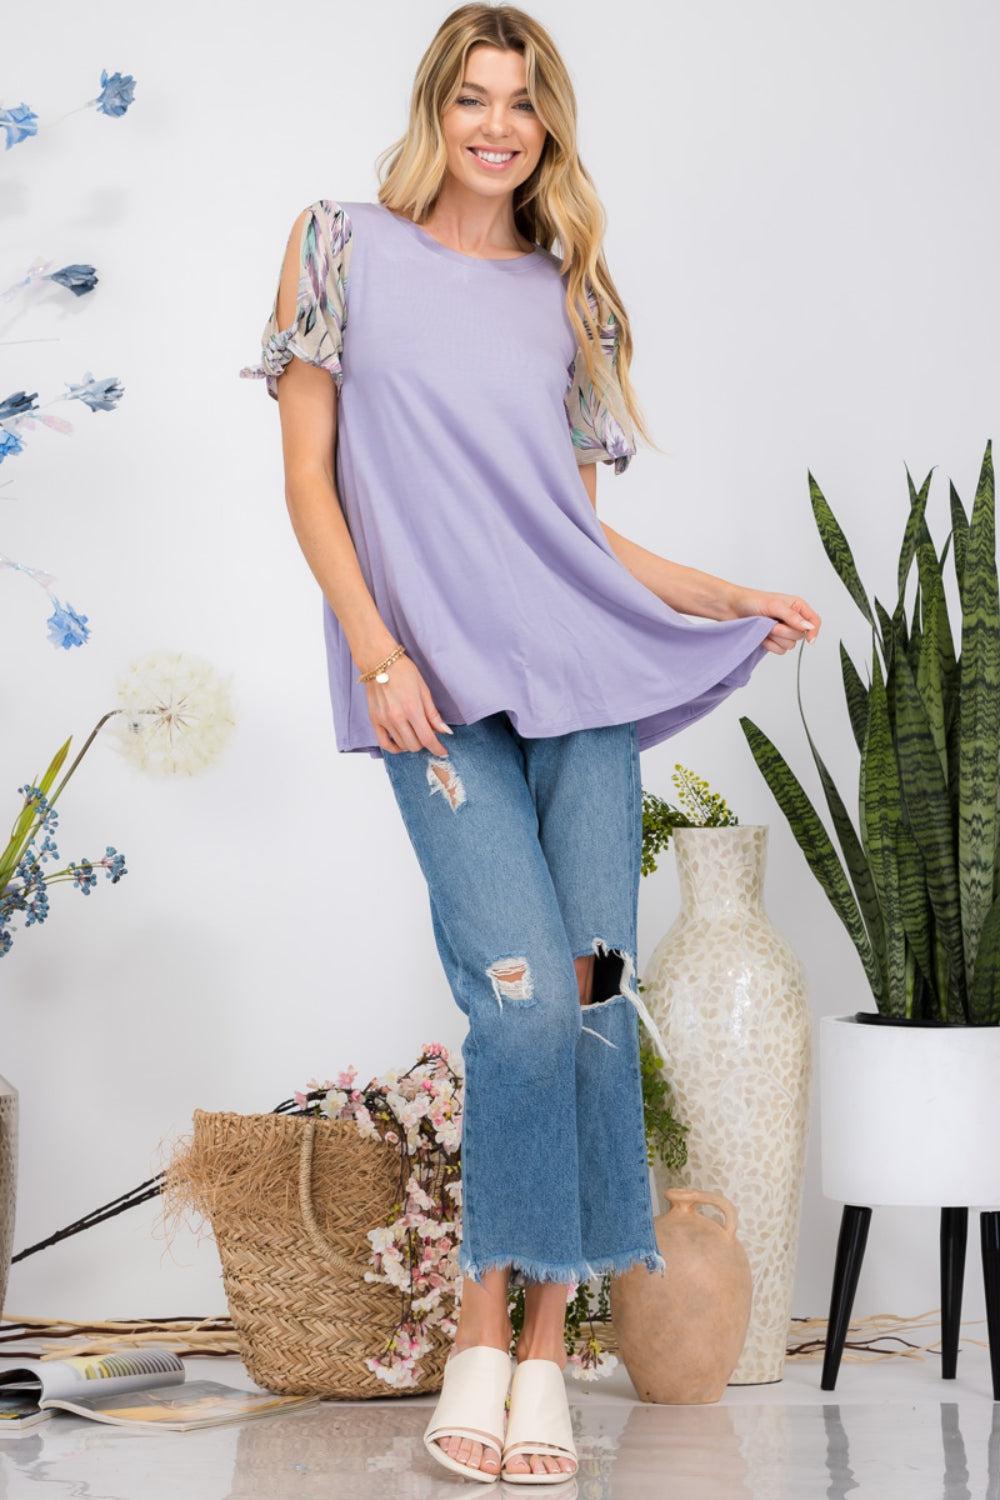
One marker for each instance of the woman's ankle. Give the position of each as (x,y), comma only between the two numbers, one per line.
(496,1335)
(532,1345)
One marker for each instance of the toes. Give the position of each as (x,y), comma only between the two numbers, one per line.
(539,1463)
(474,1455)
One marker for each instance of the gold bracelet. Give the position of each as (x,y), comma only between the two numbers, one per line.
(379,673)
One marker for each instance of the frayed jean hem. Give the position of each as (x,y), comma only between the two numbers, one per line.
(619,1264)
(523,1271)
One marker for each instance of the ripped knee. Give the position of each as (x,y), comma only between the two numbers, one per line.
(609,973)
(603,974)
(615,985)
(511,979)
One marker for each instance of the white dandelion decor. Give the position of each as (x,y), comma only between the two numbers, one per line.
(174,716)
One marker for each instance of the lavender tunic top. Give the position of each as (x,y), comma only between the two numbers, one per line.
(463,413)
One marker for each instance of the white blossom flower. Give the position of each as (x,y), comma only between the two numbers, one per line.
(592,1367)
(381,1237)
(417,1193)
(366,1125)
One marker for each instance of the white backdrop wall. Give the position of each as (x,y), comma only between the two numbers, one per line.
(802,224)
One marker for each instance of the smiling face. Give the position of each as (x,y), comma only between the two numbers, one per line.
(493,137)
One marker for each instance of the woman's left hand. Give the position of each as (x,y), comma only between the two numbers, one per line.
(795,619)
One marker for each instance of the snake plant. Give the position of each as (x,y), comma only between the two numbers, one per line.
(919,895)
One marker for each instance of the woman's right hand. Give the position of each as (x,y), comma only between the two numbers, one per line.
(402,711)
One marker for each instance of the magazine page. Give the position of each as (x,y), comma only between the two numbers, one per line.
(18,1411)
(26,1384)
(198,1403)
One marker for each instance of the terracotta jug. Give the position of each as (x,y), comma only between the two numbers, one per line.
(680,1335)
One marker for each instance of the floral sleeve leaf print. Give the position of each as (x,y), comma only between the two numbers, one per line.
(597,432)
(316,333)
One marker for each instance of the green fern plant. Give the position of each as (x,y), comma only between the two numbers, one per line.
(705,809)
(919,896)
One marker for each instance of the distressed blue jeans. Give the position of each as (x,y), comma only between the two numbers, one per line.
(530,848)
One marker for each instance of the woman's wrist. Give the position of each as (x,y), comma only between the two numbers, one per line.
(732,599)
(369,653)
(695,592)
(368,640)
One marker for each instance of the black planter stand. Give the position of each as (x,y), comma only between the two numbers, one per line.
(954,1232)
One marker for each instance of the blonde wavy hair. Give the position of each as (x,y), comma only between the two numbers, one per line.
(557,203)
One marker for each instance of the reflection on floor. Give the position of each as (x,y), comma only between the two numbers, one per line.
(891,1431)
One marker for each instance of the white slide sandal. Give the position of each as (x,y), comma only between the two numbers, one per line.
(471,1405)
(539,1420)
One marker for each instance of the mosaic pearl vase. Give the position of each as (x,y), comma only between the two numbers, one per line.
(8,1181)
(729,996)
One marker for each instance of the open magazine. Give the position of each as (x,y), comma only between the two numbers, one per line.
(141,1388)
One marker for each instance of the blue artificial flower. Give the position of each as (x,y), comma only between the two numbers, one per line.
(28,891)
(37,902)
(79,279)
(66,627)
(19,123)
(47,849)
(117,93)
(83,876)
(17,404)
(9,443)
(99,395)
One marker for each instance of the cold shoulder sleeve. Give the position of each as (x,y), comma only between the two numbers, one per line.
(598,433)
(316,333)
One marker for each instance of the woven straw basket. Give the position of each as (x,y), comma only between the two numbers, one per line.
(290,1200)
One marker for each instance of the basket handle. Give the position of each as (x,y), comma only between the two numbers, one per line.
(319,1241)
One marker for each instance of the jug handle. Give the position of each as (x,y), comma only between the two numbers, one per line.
(688,1199)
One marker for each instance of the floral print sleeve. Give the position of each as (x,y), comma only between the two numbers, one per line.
(316,334)
(597,432)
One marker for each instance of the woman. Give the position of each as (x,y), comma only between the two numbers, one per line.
(447,384)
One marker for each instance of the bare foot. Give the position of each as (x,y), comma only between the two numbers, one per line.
(526,1462)
(464,1450)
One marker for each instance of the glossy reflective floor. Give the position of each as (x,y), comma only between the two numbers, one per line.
(891,1431)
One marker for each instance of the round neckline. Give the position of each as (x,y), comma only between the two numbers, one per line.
(505,263)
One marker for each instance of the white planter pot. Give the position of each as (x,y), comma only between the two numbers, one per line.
(908,1114)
